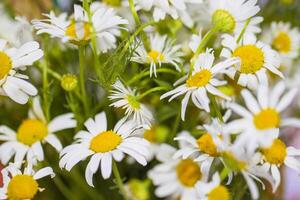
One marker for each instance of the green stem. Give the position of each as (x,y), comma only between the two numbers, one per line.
(202,44)
(225,172)
(243,31)
(138,23)
(119,181)
(216,108)
(81,78)
(161,88)
(46,83)
(147,73)
(50,72)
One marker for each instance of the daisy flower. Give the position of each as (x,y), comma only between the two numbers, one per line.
(260,121)
(31,134)
(18,185)
(213,190)
(162,52)
(12,83)
(231,16)
(238,160)
(127,99)
(284,39)
(104,146)
(78,30)
(255,59)
(176,178)
(202,80)
(176,9)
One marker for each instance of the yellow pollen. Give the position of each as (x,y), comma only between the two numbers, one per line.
(22,187)
(282,42)
(77,35)
(207,145)
(252,58)
(105,142)
(223,21)
(219,193)
(188,172)
(155,56)
(276,153)
(5,65)
(199,79)
(266,119)
(31,131)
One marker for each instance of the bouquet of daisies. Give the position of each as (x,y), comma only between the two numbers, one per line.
(148,99)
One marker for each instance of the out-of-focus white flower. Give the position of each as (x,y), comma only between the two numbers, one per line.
(127,99)
(104,146)
(163,51)
(27,140)
(176,9)
(105,26)
(255,59)
(12,60)
(176,178)
(18,185)
(202,80)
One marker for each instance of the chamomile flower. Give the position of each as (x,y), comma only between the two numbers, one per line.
(259,124)
(12,83)
(255,59)
(284,39)
(163,51)
(203,80)
(31,134)
(18,185)
(105,25)
(104,146)
(231,15)
(176,178)
(276,155)
(127,99)
(213,190)
(162,8)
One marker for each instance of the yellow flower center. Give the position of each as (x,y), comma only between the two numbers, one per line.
(232,162)
(155,56)
(79,32)
(207,145)
(22,187)
(199,79)
(5,64)
(188,172)
(219,193)
(223,20)
(282,42)
(266,119)
(31,131)
(252,58)
(276,153)
(105,142)
(114,3)
(133,102)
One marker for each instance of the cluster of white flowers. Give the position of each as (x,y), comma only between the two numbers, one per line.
(242,62)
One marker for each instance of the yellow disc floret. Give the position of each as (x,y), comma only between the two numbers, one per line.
(133,102)
(31,131)
(188,172)
(219,193)
(155,56)
(22,187)
(276,153)
(223,21)
(5,65)
(105,142)
(266,119)
(199,79)
(282,42)
(207,145)
(252,58)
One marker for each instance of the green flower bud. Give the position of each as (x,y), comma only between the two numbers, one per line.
(139,189)
(223,21)
(114,3)
(69,82)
